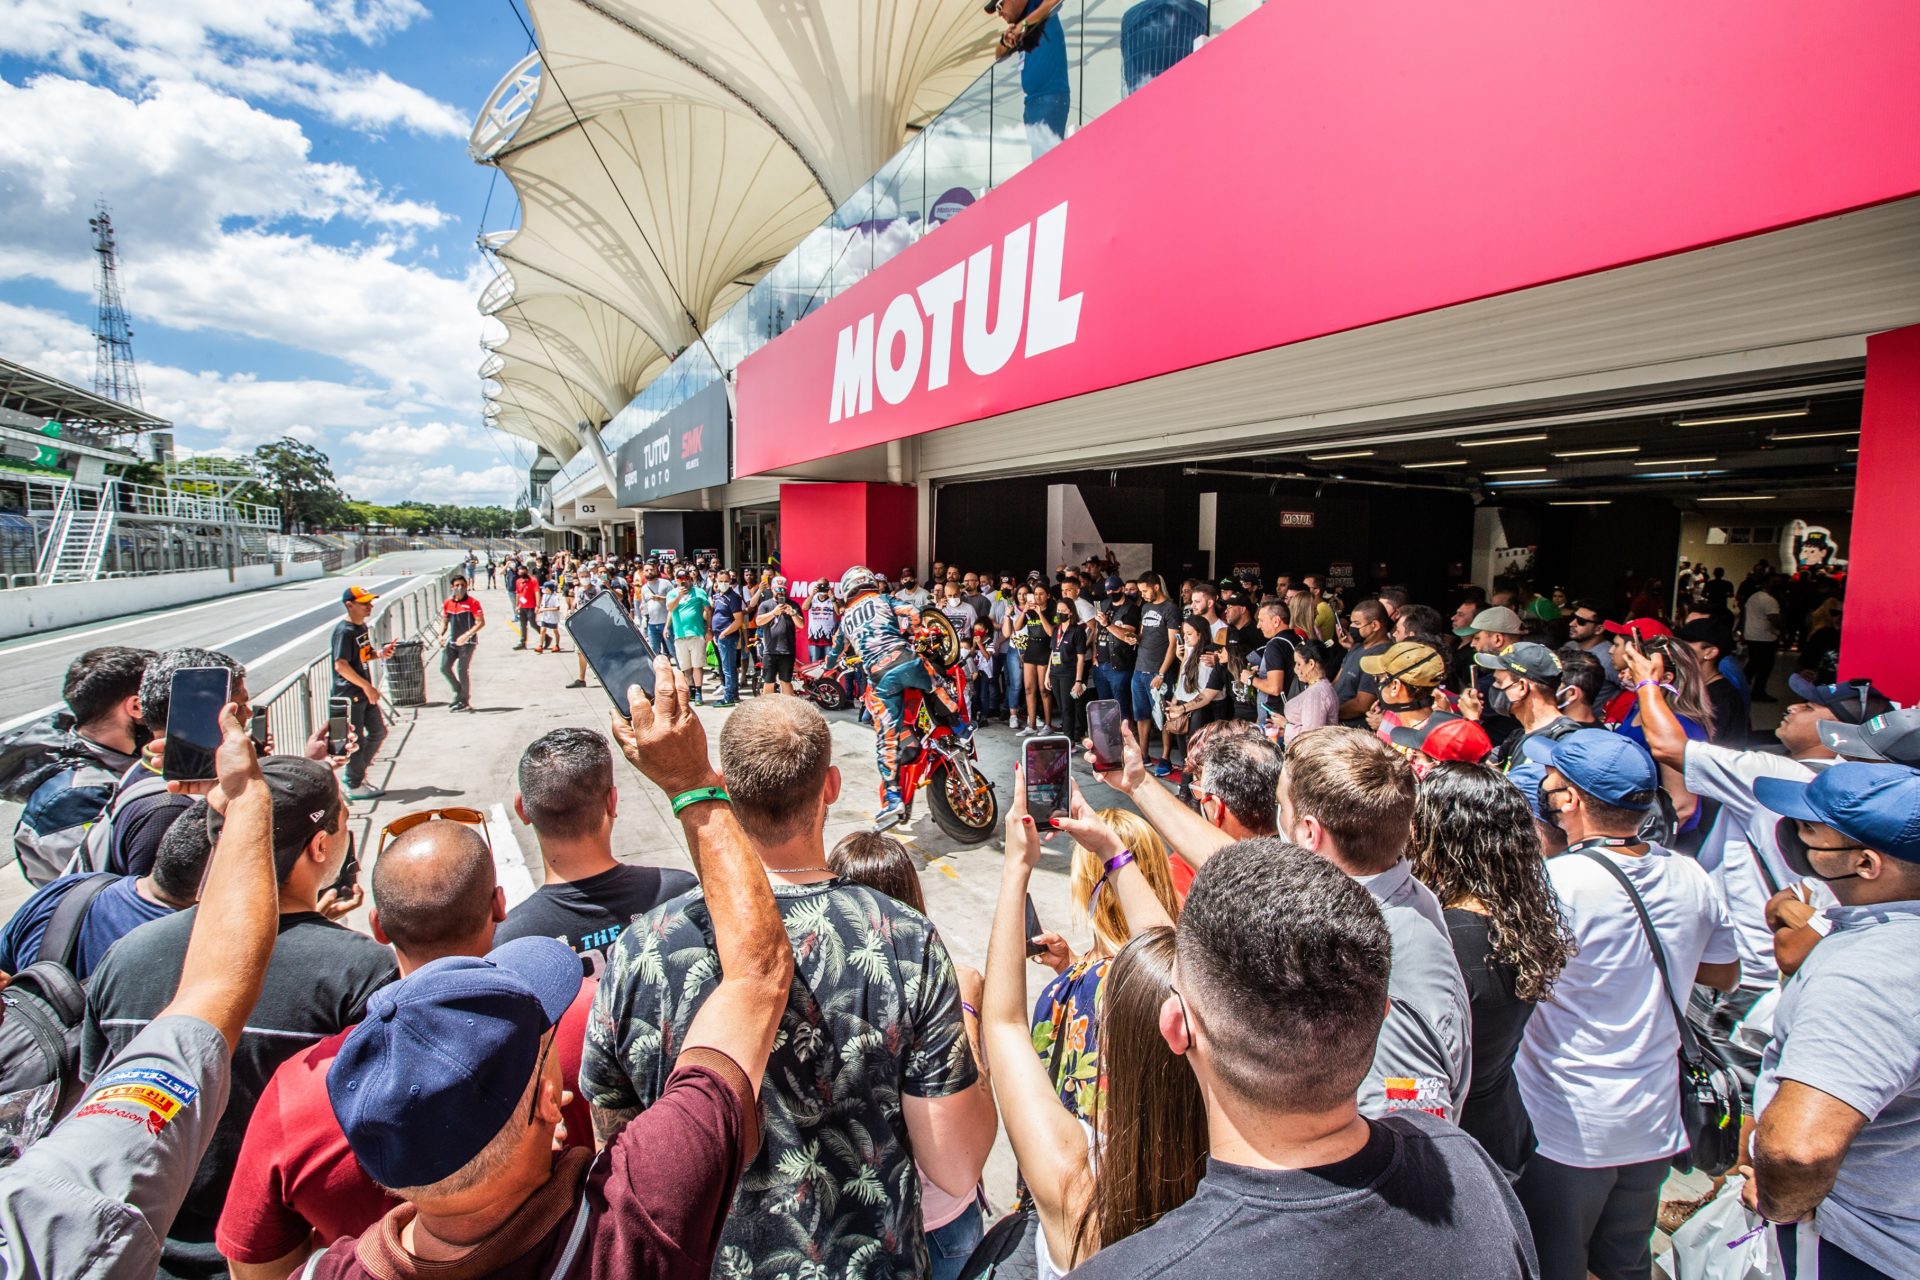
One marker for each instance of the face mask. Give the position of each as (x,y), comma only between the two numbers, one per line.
(1786,834)
(1499,702)
(1544,794)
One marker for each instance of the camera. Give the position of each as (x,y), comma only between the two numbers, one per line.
(993,6)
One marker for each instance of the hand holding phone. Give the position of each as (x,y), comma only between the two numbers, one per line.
(1044,761)
(1034,930)
(339,725)
(614,647)
(261,730)
(1103,733)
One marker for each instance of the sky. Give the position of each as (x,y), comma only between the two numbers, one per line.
(296,215)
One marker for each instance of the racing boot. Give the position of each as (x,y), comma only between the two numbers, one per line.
(892,815)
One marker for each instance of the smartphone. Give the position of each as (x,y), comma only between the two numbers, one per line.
(615,648)
(260,728)
(193,722)
(349,872)
(1103,730)
(1034,929)
(339,725)
(1045,761)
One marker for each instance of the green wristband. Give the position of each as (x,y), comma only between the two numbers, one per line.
(698,795)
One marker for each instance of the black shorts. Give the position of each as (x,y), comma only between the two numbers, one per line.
(778,666)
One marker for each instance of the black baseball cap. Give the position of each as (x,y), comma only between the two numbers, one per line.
(306,801)
(1854,701)
(1706,631)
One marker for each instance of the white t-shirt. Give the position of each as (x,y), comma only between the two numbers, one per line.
(1743,827)
(822,619)
(1598,1066)
(1760,610)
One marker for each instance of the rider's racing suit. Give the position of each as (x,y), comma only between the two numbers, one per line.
(872,628)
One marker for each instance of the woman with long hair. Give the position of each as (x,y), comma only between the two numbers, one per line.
(954,1224)
(1673,665)
(1474,845)
(1316,705)
(1067,1012)
(1140,1155)
(1200,686)
(1030,631)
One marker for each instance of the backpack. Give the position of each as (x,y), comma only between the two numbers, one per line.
(40,1036)
(92,854)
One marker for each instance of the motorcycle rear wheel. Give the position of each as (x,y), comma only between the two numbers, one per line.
(830,694)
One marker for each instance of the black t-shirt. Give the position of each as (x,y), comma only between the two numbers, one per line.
(1069,643)
(140,826)
(352,644)
(1494,1111)
(1820,654)
(1421,1201)
(1248,637)
(589,914)
(1277,655)
(317,983)
(1112,651)
(775,629)
(1717,590)
(1156,630)
(1507,754)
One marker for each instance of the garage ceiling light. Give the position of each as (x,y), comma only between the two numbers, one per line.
(1484,444)
(1812,435)
(1763,415)
(1670,462)
(1518,471)
(1439,462)
(1335,457)
(1746,497)
(1583,502)
(1597,453)
(1499,484)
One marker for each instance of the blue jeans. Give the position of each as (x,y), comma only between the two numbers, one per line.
(1111,682)
(1011,683)
(1142,704)
(949,1247)
(657,639)
(729,649)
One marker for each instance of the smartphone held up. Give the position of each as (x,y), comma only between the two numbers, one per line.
(1045,761)
(194,700)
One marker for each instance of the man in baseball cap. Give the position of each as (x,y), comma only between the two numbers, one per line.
(1893,737)
(353,655)
(1442,738)
(1597,1067)
(1489,631)
(1851,701)
(1839,1091)
(449,1091)
(1406,674)
(1525,691)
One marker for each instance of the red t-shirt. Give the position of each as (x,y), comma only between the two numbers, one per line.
(656,1198)
(296,1175)
(527,592)
(461,616)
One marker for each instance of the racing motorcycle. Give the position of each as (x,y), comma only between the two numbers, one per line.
(828,682)
(940,756)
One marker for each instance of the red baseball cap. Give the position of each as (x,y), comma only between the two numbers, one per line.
(1639,628)
(1446,738)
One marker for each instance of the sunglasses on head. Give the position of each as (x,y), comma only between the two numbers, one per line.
(408,821)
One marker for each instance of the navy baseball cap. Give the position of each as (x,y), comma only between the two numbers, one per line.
(1603,764)
(1112,586)
(1528,776)
(1854,701)
(442,1059)
(1876,804)
(1893,737)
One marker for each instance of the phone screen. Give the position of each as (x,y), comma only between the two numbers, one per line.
(339,725)
(193,722)
(1046,764)
(614,647)
(1103,729)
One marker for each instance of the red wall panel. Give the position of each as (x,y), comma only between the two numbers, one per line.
(824,528)
(1877,635)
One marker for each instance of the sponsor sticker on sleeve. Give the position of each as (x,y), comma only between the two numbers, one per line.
(144,1095)
(1418,1093)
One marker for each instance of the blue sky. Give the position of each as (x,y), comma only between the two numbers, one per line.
(296,213)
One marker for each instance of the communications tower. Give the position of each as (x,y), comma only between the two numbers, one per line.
(114,373)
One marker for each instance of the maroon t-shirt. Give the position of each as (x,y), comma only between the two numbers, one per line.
(655,1198)
(296,1177)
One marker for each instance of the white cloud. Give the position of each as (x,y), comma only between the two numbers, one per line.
(259,48)
(467,487)
(418,439)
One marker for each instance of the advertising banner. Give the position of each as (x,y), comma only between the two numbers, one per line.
(686,449)
(1319,168)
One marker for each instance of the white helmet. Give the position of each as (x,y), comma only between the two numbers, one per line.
(858,579)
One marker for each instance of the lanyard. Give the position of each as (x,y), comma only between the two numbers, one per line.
(1604,842)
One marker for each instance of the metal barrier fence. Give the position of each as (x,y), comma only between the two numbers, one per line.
(297,705)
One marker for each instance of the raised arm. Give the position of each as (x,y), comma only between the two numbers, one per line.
(1666,740)
(1048,1143)
(665,741)
(239,912)
(1138,902)
(1186,832)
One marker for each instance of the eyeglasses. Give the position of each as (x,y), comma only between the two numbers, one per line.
(408,821)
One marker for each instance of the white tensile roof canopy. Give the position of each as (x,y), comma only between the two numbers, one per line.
(728,129)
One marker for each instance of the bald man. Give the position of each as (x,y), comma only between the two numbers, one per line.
(297,1185)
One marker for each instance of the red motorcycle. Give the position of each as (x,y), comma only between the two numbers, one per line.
(828,682)
(943,760)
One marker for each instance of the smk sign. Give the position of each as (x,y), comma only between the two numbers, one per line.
(911,343)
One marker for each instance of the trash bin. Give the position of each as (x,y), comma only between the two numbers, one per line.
(407,674)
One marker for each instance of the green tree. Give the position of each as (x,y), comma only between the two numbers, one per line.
(300,480)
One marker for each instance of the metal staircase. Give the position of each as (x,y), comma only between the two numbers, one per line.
(77,539)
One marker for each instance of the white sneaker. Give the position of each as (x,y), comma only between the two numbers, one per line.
(1027,731)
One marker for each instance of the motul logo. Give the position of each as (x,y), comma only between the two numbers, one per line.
(916,329)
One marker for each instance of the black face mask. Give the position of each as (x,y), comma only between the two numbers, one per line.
(1499,702)
(1544,794)
(1793,850)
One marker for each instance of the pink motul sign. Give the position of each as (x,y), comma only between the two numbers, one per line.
(1321,167)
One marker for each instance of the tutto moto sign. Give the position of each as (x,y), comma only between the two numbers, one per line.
(1319,168)
(683,451)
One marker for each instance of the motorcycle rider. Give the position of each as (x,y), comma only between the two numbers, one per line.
(877,628)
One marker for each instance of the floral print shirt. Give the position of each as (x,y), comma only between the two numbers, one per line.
(1068,1010)
(873,1013)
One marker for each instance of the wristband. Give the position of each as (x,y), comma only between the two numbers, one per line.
(1111,865)
(687,799)
(969,1008)
(1118,861)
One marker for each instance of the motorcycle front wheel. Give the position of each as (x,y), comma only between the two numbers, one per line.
(830,694)
(963,802)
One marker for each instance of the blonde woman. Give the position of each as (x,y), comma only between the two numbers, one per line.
(1068,1006)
